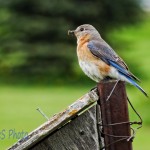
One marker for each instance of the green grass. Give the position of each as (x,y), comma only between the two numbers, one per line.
(18,104)
(141,141)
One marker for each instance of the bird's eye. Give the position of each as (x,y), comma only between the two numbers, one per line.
(81,29)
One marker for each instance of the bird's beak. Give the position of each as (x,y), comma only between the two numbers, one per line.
(71,32)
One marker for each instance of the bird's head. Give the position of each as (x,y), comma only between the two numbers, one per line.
(85,29)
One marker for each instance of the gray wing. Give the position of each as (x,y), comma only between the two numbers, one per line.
(103,51)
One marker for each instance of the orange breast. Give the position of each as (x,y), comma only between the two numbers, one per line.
(85,55)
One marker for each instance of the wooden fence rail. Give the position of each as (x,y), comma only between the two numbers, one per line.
(85,125)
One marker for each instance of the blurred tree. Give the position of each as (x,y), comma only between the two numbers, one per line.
(34,41)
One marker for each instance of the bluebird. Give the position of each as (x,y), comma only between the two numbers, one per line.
(98,60)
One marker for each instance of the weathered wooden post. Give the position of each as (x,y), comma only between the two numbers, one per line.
(114,114)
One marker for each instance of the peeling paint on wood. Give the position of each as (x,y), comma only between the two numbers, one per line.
(79,134)
(57,121)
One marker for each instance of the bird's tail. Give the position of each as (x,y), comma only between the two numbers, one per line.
(129,76)
(136,85)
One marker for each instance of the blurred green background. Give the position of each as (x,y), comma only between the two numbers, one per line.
(38,63)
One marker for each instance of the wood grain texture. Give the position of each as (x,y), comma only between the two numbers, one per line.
(80,134)
(114,111)
(57,121)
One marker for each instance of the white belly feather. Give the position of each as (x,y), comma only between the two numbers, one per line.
(93,72)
